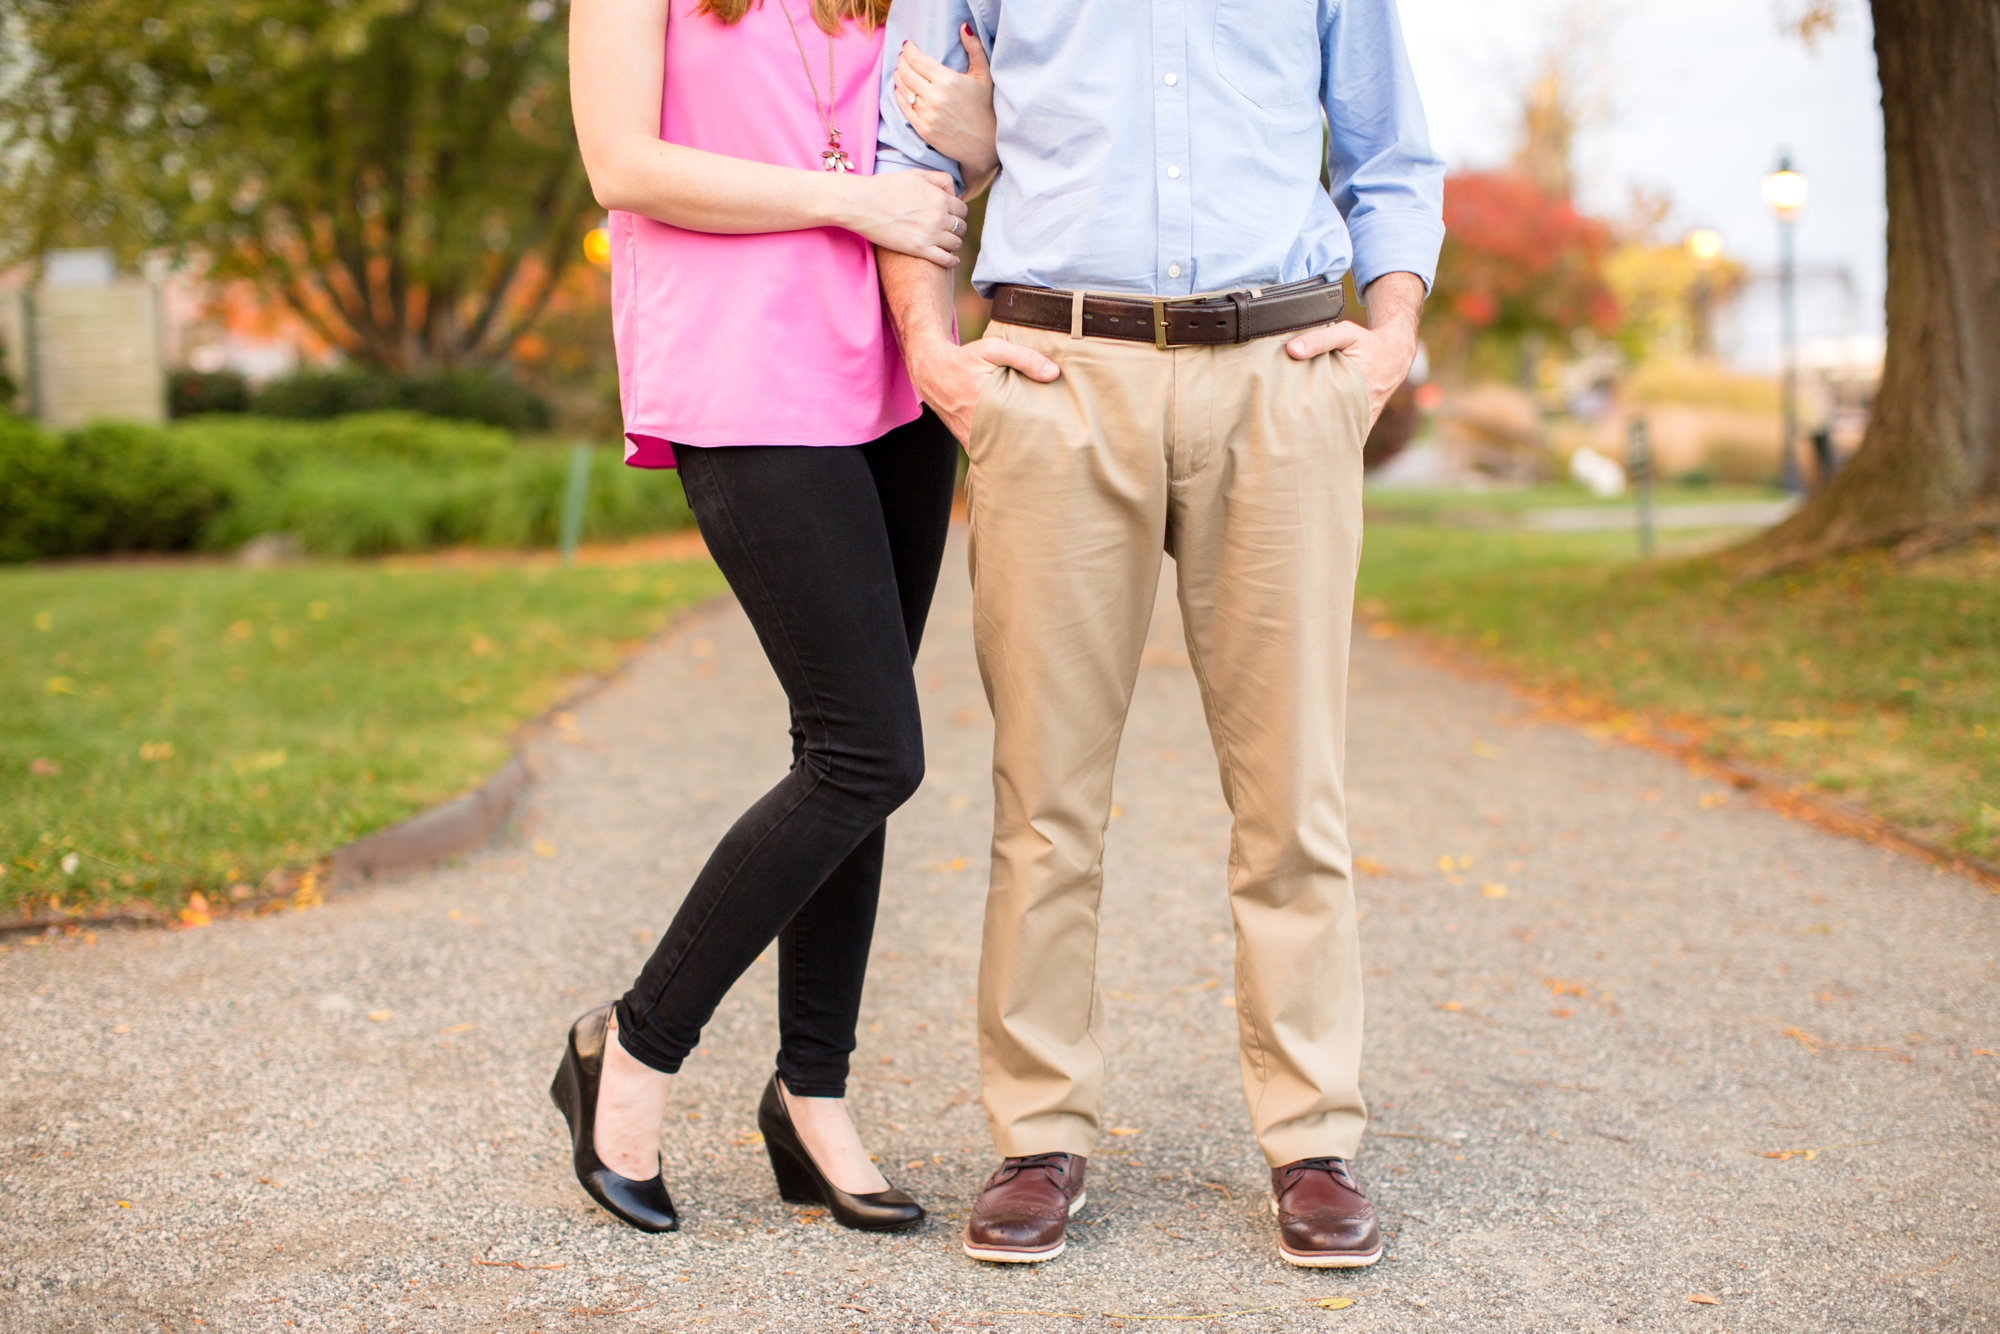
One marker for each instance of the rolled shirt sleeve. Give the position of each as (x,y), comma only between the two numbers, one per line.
(932,25)
(1385,179)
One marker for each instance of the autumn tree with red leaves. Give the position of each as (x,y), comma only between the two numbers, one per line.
(1518,261)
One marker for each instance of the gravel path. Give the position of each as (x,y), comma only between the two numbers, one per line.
(337,1120)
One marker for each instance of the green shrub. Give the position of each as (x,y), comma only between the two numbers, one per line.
(191,393)
(461,396)
(368,484)
(109,486)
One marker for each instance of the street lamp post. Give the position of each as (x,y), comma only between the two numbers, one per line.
(1704,247)
(1785,194)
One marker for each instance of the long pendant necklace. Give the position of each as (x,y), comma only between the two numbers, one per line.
(835,157)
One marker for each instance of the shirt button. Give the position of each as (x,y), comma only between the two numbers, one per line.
(1173,270)
(1173,79)
(1173,171)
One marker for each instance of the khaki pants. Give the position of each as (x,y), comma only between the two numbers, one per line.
(1245,466)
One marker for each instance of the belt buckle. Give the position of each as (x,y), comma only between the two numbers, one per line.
(1160,304)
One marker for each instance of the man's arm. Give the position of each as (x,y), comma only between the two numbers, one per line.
(1389,186)
(1385,179)
(933,25)
(947,376)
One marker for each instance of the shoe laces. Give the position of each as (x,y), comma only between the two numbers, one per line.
(1335,1167)
(1055,1164)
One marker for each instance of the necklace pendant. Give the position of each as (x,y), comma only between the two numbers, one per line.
(835,157)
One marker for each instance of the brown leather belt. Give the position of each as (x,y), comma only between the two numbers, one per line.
(1236,317)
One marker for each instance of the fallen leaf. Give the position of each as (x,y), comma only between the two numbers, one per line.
(703,647)
(456,1028)
(1334,1303)
(61,685)
(1448,1005)
(1486,750)
(262,762)
(544,848)
(1209,985)
(1808,1154)
(1447,863)
(122,1028)
(152,752)
(124,1204)
(1368,866)
(1384,630)
(1982,1051)
(1124,1130)
(1230,1001)
(43,768)
(1711,800)
(1494,891)
(1703,1299)
(1559,1012)
(380,1015)
(913,1164)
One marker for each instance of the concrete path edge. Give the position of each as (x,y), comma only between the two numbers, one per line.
(457,826)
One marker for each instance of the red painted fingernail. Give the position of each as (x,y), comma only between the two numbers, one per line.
(965,28)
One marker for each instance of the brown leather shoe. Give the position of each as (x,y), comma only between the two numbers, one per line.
(1022,1214)
(1324,1221)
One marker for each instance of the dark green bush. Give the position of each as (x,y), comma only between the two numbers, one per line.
(368,484)
(192,393)
(460,396)
(106,487)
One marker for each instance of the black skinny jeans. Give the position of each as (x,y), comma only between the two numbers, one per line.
(834,555)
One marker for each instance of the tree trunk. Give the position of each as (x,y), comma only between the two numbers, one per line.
(1929,466)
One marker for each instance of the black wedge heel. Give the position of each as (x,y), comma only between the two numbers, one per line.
(643,1204)
(801,1182)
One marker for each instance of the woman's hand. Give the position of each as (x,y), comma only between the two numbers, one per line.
(952,111)
(911,212)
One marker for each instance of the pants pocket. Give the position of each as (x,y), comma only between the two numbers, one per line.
(984,412)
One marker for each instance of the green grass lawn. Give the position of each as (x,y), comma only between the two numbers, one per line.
(171,727)
(1876,683)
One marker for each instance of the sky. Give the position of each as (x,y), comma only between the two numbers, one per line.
(1699,98)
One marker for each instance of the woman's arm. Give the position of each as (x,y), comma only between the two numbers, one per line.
(952,112)
(616,73)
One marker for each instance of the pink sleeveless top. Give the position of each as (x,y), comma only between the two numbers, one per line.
(779,338)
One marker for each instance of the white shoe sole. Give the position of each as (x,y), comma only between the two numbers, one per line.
(1026,1257)
(1331,1261)
(1326,1261)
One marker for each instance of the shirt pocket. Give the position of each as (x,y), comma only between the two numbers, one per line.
(1268,50)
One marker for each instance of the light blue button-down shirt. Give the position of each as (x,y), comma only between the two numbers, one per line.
(1173,146)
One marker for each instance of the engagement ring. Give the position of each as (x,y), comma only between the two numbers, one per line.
(913,99)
